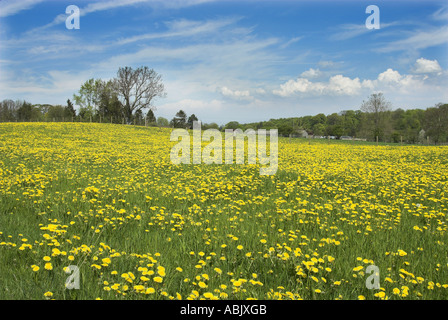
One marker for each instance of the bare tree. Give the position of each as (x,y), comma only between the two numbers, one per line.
(376,108)
(137,89)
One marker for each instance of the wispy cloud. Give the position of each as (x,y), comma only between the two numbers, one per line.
(91,8)
(12,7)
(349,31)
(441,14)
(183,28)
(420,39)
(115,4)
(290,42)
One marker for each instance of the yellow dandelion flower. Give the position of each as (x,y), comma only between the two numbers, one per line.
(237,283)
(161,271)
(150,291)
(208,295)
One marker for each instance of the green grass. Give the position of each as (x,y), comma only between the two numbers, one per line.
(344,200)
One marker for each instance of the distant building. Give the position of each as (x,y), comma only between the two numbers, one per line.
(299,133)
(302,133)
(422,136)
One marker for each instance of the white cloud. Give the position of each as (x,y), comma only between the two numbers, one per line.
(339,85)
(336,86)
(424,66)
(392,79)
(260,91)
(236,94)
(390,76)
(326,64)
(311,73)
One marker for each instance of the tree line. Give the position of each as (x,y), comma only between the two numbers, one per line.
(123,99)
(128,99)
(375,120)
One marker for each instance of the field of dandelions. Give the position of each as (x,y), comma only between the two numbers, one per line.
(106,199)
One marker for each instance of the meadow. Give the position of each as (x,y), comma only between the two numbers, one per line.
(107,199)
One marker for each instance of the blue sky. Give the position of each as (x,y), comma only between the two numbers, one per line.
(231,60)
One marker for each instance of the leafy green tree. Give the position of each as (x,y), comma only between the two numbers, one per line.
(162,122)
(319,129)
(86,113)
(55,113)
(8,110)
(190,120)
(180,120)
(69,110)
(150,117)
(138,117)
(88,96)
(284,129)
(350,122)
(232,125)
(212,125)
(25,111)
(109,106)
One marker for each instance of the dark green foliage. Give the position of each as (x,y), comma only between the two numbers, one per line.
(180,120)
